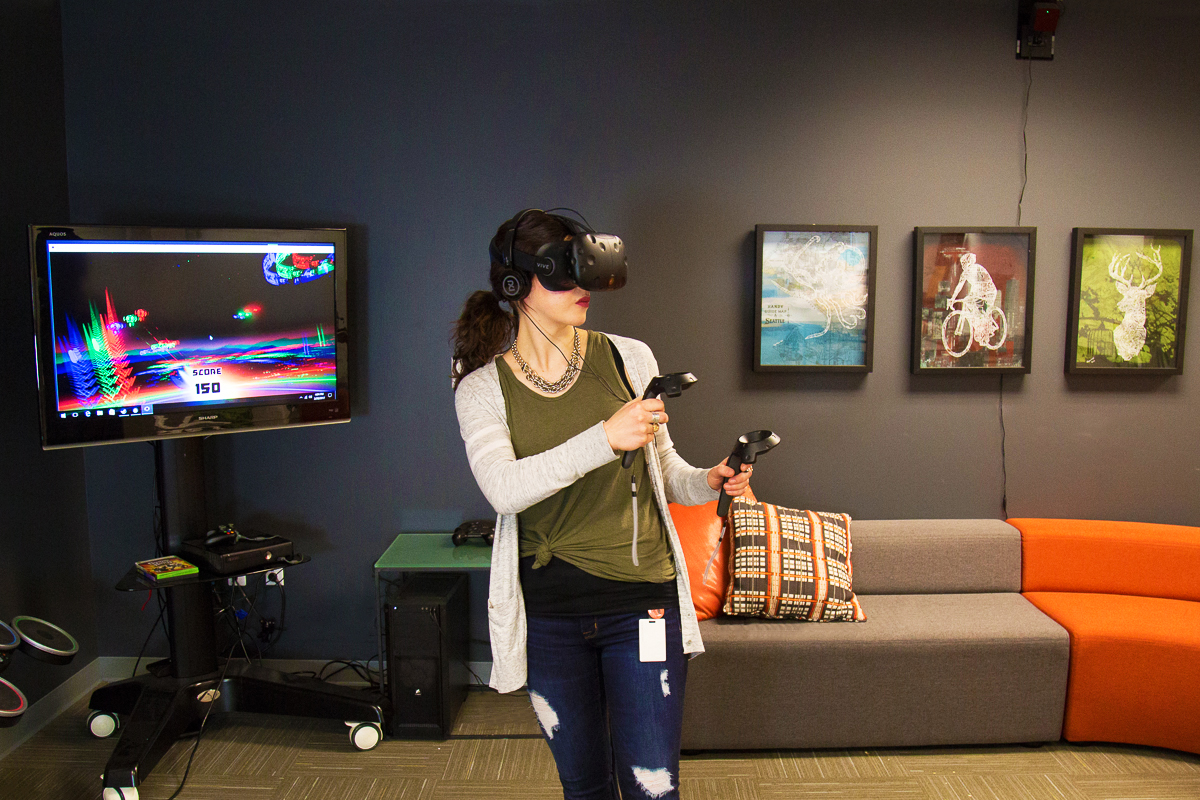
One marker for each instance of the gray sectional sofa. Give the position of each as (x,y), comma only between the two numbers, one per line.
(951,653)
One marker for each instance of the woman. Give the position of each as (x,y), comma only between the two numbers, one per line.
(578,604)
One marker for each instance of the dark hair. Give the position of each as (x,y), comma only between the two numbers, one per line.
(485,329)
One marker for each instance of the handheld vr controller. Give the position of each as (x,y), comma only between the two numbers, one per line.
(747,450)
(672,385)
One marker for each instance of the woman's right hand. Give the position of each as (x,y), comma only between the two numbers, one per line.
(632,427)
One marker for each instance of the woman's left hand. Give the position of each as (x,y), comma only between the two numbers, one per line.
(722,475)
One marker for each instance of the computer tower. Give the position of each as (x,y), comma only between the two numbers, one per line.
(428,637)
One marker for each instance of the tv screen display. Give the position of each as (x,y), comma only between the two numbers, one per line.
(145,333)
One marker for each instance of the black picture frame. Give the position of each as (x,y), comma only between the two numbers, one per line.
(1110,270)
(990,327)
(818,314)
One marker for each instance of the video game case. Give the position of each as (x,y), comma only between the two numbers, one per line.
(166,567)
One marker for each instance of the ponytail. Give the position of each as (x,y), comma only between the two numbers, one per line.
(483,331)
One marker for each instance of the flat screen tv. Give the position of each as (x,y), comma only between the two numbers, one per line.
(151,333)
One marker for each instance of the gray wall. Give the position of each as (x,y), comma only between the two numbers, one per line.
(45,565)
(680,126)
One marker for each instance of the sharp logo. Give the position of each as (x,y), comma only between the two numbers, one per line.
(207,418)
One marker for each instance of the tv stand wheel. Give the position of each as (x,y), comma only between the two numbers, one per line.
(102,724)
(120,793)
(365,735)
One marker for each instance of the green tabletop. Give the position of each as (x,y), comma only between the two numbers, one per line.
(421,550)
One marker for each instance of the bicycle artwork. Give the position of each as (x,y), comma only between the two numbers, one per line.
(974,317)
(972,299)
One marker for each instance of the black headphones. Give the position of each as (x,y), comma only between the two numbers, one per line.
(590,260)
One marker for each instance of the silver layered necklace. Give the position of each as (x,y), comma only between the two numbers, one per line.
(573,367)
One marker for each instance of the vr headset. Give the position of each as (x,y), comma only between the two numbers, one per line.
(592,261)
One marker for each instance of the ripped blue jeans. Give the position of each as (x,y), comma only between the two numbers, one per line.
(604,712)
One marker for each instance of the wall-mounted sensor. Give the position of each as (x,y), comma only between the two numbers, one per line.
(1036,24)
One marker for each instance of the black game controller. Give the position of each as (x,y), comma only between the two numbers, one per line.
(227,534)
(748,448)
(223,534)
(672,385)
(481,528)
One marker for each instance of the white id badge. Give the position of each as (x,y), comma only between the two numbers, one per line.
(652,640)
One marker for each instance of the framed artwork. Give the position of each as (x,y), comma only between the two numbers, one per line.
(973,299)
(814,298)
(1129,291)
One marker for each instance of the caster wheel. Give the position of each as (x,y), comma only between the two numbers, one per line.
(121,793)
(365,735)
(102,725)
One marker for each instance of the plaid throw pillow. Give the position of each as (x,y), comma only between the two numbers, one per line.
(790,564)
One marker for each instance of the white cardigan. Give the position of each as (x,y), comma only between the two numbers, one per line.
(511,485)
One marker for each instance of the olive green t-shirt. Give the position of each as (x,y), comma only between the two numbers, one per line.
(590,523)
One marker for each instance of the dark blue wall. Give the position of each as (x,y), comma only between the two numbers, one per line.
(680,126)
(45,566)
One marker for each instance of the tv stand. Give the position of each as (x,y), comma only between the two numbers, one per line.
(154,711)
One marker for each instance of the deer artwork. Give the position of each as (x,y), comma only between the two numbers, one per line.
(1130,336)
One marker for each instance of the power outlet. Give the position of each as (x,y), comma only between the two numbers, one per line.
(275,577)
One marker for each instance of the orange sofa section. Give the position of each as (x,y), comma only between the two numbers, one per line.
(1135,558)
(1134,670)
(1128,594)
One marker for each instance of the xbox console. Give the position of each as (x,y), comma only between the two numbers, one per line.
(238,556)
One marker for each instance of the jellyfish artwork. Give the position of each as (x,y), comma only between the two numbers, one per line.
(828,276)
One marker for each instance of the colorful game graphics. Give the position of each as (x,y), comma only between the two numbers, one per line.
(95,362)
(248,312)
(281,268)
(139,359)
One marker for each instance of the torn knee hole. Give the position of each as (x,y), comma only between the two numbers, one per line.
(546,715)
(654,782)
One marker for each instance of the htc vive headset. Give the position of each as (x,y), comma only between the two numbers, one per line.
(589,260)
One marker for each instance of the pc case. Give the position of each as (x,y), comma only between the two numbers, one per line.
(428,637)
